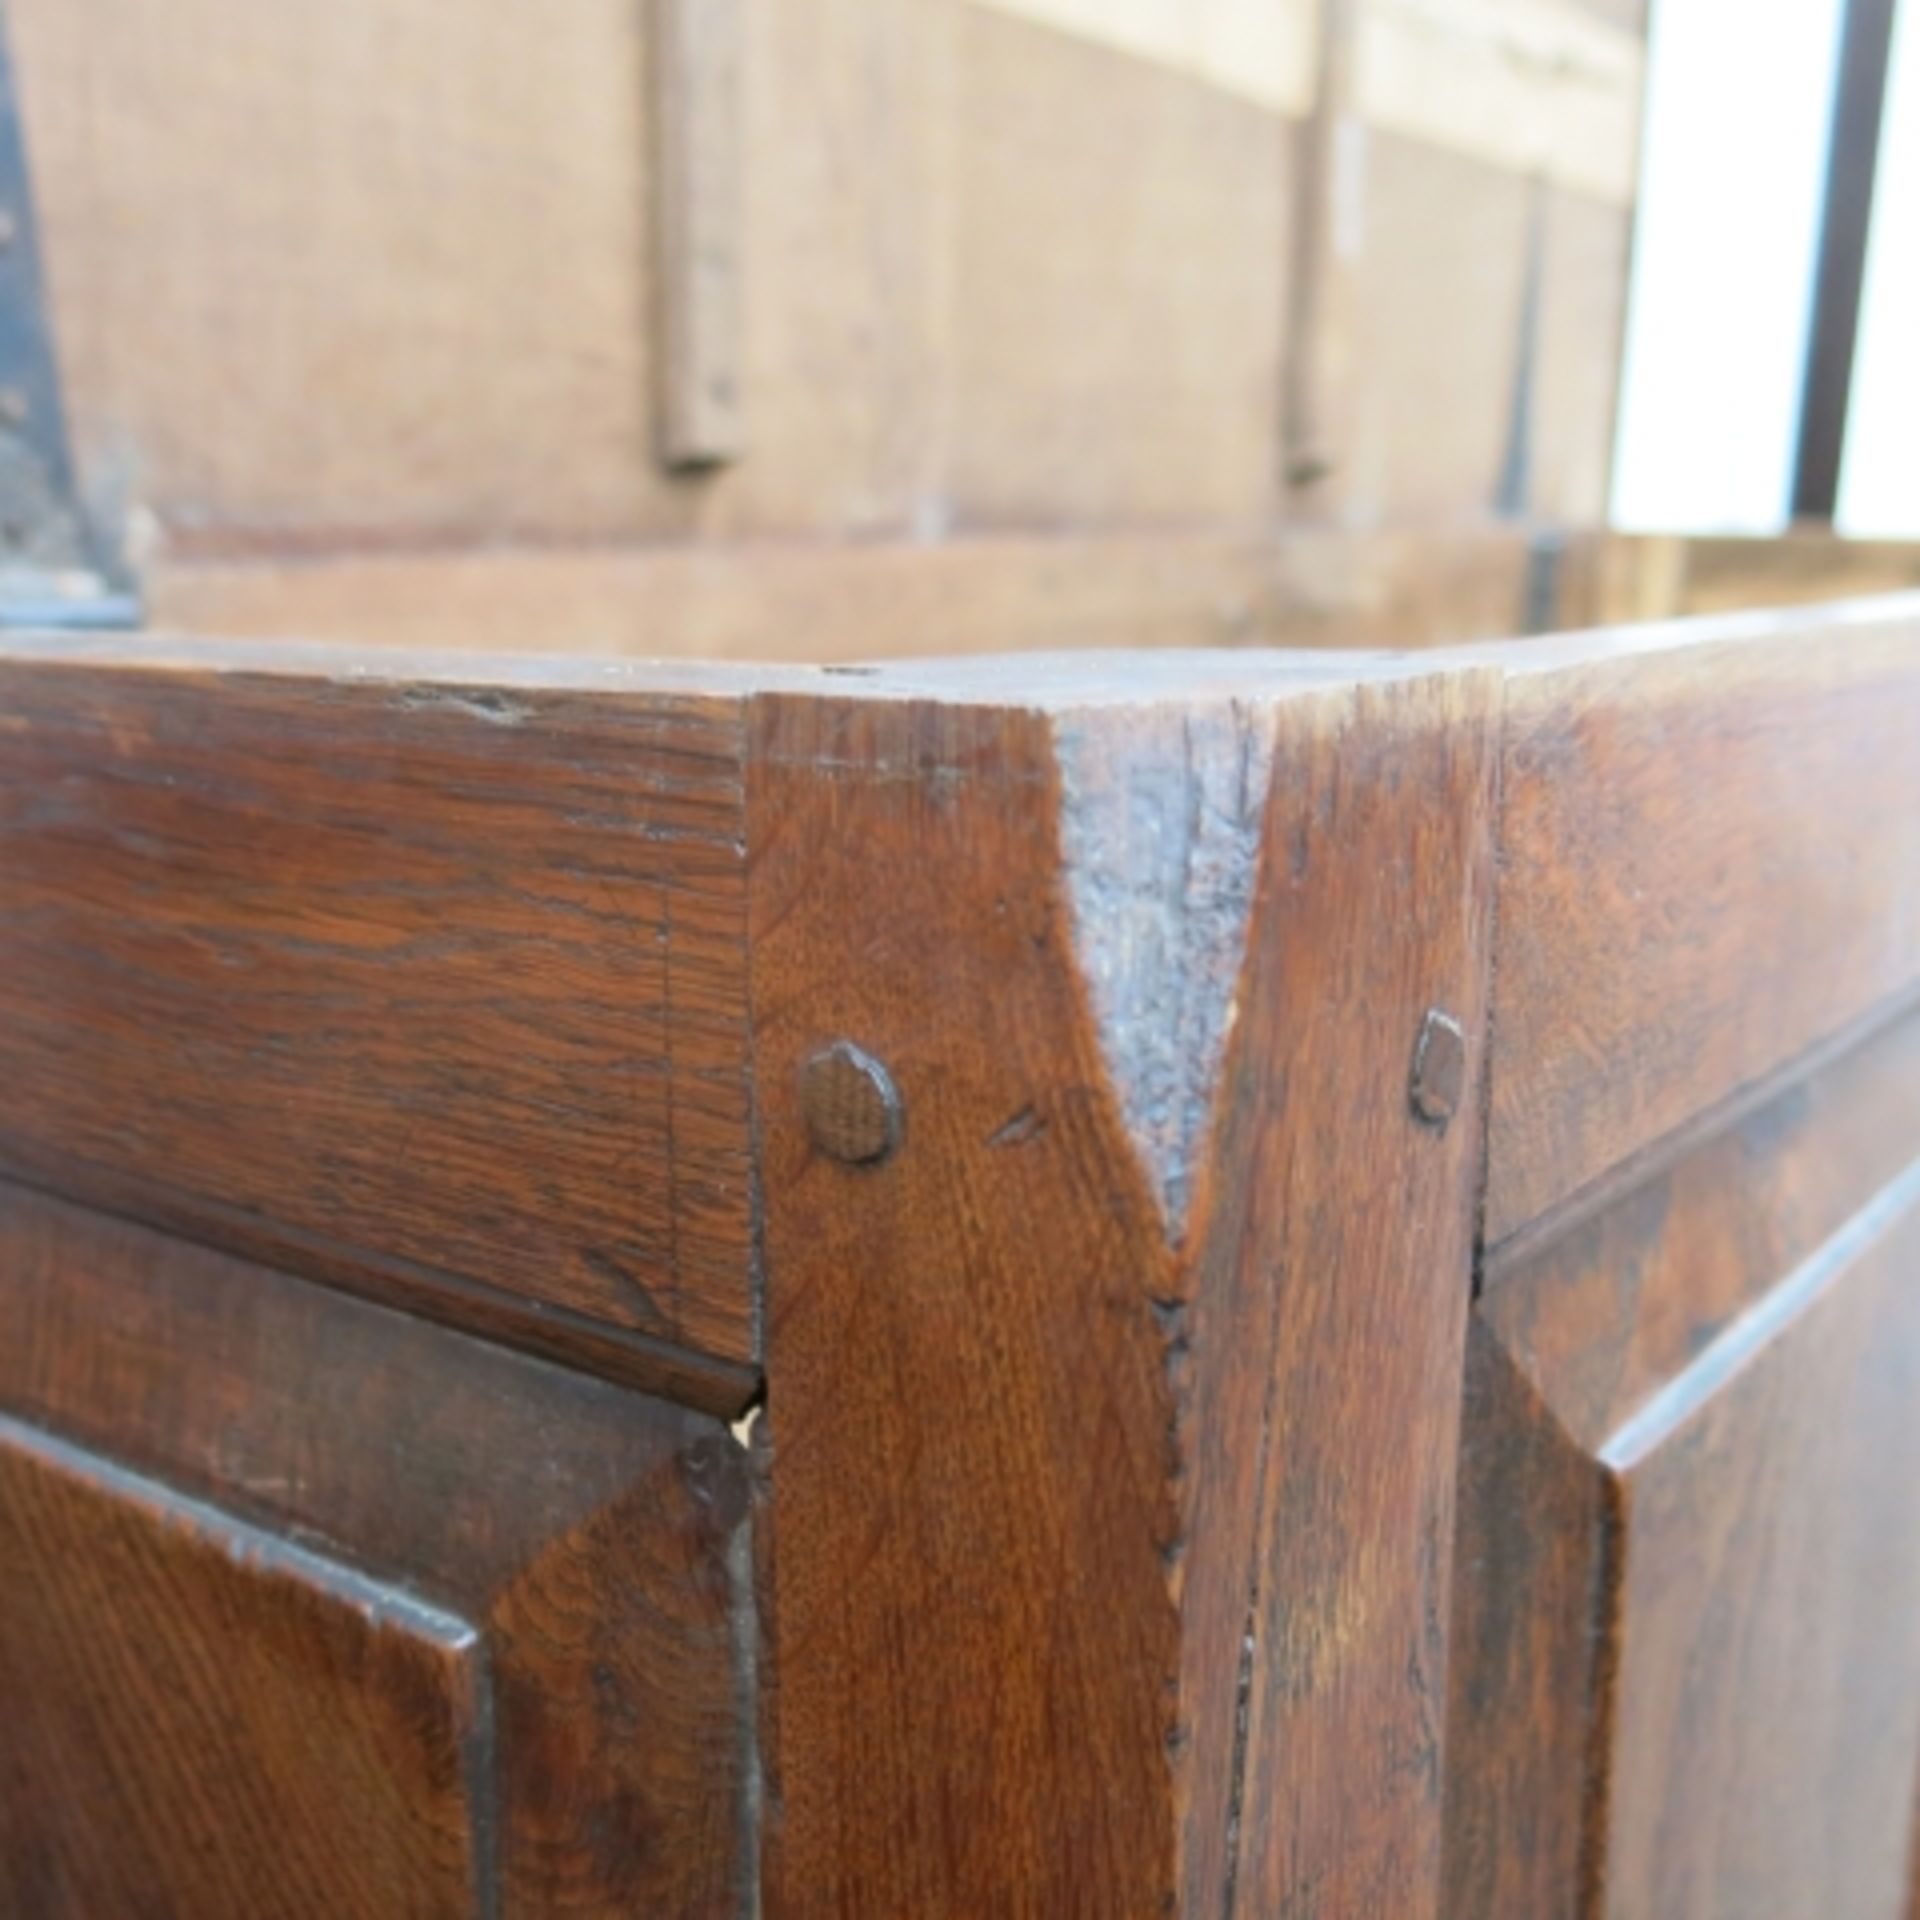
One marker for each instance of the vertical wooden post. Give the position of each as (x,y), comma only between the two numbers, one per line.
(697,74)
(1329,211)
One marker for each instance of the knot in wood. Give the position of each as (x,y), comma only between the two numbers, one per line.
(851,1106)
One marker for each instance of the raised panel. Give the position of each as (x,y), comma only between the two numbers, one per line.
(1112,1416)
(438,988)
(203,1719)
(1767,1712)
(1686,1653)
(564,1560)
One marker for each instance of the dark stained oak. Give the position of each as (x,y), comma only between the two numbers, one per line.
(202,1719)
(1320,1249)
(967,1585)
(1767,1711)
(470,1548)
(1685,1664)
(1111,1419)
(441,986)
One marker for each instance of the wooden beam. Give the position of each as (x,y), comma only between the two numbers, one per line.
(698,56)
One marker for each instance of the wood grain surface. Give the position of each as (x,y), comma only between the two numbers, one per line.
(1709,842)
(448,1628)
(697,58)
(1321,1412)
(441,987)
(1164,1495)
(852,601)
(1767,1711)
(1686,1677)
(1059,1395)
(976,1648)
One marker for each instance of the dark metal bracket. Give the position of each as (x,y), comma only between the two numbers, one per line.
(54,568)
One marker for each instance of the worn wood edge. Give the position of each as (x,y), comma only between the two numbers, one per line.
(1060,687)
(1308,1704)
(1038,681)
(683,1374)
(1651,1425)
(234,1534)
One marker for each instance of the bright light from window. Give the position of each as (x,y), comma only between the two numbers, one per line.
(1733,182)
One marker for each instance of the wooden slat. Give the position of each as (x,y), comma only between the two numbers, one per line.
(1319,372)
(1329,1313)
(1708,847)
(439,989)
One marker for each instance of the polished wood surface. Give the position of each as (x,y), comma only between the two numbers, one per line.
(151,1653)
(1707,848)
(1686,1676)
(840,602)
(446,983)
(1030,1295)
(303,1595)
(1314,1268)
